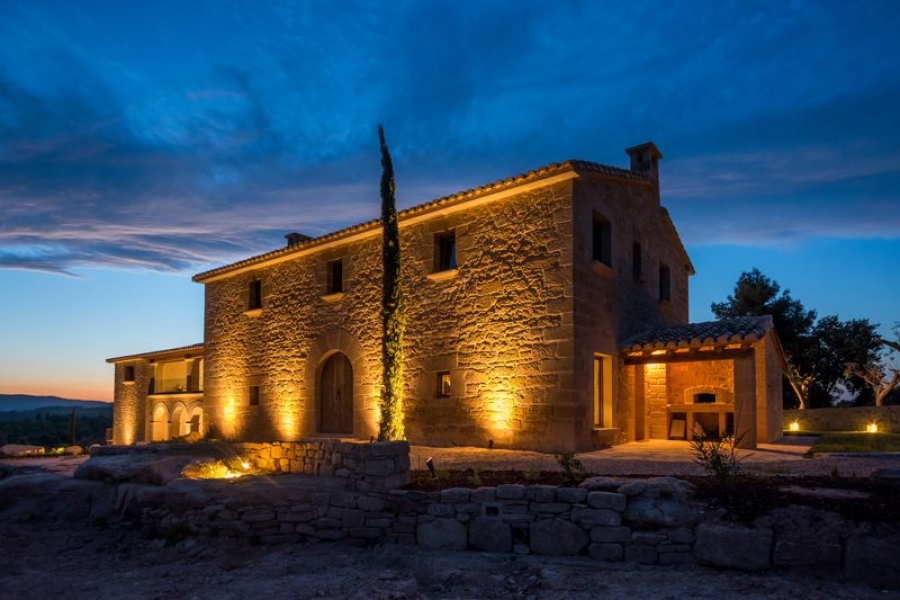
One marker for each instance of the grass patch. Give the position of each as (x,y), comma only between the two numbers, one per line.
(857,442)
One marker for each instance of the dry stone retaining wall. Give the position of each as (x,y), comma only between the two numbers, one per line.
(851,418)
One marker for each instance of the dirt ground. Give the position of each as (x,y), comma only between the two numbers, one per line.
(40,561)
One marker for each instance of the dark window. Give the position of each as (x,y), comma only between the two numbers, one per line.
(637,268)
(443,384)
(602,240)
(704,398)
(254,298)
(445,251)
(254,395)
(665,285)
(335,277)
(128,375)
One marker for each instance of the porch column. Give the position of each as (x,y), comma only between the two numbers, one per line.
(745,401)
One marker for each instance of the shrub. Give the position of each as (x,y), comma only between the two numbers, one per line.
(573,470)
(717,456)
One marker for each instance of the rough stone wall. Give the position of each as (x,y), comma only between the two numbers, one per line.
(130,412)
(849,418)
(501,325)
(656,398)
(655,521)
(610,304)
(769,403)
(706,376)
(380,466)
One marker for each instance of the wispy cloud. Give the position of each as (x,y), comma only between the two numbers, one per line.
(136,141)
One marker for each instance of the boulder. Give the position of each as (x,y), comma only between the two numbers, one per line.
(662,501)
(19,450)
(734,547)
(490,535)
(442,534)
(134,468)
(557,537)
(872,559)
(54,497)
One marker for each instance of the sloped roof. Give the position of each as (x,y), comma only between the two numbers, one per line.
(692,335)
(193,348)
(547,171)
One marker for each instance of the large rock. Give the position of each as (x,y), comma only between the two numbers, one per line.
(442,534)
(733,547)
(557,537)
(490,535)
(871,558)
(134,468)
(807,539)
(53,497)
(19,450)
(662,501)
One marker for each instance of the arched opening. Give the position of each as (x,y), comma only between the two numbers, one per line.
(179,423)
(195,423)
(159,426)
(336,395)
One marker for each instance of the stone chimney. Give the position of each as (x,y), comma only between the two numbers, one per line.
(296,238)
(645,159)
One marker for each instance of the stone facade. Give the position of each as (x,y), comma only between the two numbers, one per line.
(519,294)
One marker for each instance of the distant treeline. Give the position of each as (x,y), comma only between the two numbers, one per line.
(52,426)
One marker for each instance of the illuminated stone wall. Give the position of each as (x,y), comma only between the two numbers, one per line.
(769,400)
(501,325)
(130,413)
(611,304)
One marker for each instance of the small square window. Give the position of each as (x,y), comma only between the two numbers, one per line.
(253,395)
(601,248)
(128,374)
(335,277)
(445,251)
(665,283)
(254,295)
(443,384)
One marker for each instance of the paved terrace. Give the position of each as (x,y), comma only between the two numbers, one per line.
(658,457)
(651,457)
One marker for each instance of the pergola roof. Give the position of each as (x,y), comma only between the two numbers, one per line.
(695,335)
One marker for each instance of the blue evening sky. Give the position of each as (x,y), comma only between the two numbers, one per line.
(142,142)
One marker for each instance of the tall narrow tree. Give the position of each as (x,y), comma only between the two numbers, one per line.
(393,306)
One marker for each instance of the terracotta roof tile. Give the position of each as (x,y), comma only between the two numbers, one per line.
(724,331)
(155,353)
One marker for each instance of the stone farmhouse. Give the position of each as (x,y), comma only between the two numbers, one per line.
(546,311)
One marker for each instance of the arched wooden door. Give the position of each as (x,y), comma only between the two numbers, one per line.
(336,395)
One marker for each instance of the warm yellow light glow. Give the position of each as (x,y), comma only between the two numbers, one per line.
(794,426)
(229,416)
(288,426)
(657,353)
(245,465)
(500,407)
(872,427)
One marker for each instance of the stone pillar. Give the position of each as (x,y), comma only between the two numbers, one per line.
(745,401)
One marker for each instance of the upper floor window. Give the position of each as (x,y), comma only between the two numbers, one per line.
(128,373)
(637,267)
(253,395)
(445,251)
(254,295)
(602,240)
(665,283)
(336,277)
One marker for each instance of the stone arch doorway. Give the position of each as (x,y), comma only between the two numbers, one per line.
(178,421)
(159,426)
(336,395)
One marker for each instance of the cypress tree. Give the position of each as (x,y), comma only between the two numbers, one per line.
(393,307)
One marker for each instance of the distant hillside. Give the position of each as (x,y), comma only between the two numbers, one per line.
(10,402)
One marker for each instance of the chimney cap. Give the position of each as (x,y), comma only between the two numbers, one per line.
(639,149)
(295,238)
